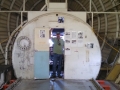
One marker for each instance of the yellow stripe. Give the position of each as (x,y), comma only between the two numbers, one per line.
(105,41)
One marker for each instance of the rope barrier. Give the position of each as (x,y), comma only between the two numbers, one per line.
(105,41)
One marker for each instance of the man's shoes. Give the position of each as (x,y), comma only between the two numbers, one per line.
(59,76)
(53,76)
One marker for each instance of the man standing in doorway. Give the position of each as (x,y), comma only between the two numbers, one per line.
(58,45)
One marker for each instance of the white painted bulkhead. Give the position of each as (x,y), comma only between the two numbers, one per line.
(82,63)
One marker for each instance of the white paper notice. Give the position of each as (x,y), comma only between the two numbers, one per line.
(41,39)
(80,39)
(74,34)
(67,42)
(67,51)
(67,35)
(74,43)
(80,35)
(90,45)
(80,43)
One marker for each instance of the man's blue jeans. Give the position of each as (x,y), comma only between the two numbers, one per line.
(57,60)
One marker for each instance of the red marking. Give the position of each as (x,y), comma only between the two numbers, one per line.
(11,81)
(5,86)
(106,87)
(101,81)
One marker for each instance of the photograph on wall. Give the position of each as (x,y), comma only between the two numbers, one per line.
(80,43)
(74,35)
(42,33)
(67,42)
(60,19)
(67,35)
(67,50)
(74,43)
(90,45)
(80,35)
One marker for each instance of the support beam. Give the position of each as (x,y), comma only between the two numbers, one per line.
(113,6)
(90,5)
(1,4)
(20,12)
(86,12)
(35,5)
(66,1)
(92,20)
(43,8)
(17,21)
(97,17)
(105,24)
(24,1)
(82,7)
(117,20)
(21,18)
(46,1)
(106,12)
(2,50)
(81,4)
(8,20)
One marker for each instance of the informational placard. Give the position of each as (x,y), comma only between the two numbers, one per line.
(67,42)
(67,35)
(42,33)
(73,39)
(41,39)
(74,35)
(74,43)
(67,51)
(80,39)
(80,35)
(90,45)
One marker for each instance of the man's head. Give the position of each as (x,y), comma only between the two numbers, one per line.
(58,35)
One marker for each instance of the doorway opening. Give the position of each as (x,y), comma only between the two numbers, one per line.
(51,53)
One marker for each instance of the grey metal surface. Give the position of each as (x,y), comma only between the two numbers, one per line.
(97,84)
(33,85)
(57,84)
(73,85)
(112,85)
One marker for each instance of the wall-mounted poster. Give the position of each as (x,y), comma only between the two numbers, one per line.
(67,35)
(74,34)
(60,19)
(67,50)
(74,43)
(90,45)
(41,36)
(80,35)
(67,42)
(42,33)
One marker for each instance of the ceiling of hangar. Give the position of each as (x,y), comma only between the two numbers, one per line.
(107,25)
(57,0)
